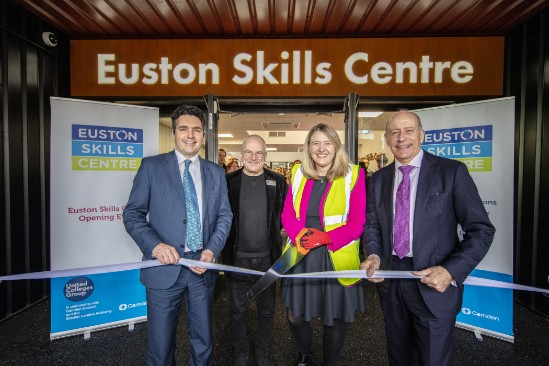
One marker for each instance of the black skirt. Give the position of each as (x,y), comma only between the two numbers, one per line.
(323,298)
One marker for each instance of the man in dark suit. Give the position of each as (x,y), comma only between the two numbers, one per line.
(414,206)
(185,198)
(256,196)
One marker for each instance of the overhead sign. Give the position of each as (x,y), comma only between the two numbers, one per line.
(442,66)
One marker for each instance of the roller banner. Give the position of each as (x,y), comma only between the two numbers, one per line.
(96,149)
(481,135)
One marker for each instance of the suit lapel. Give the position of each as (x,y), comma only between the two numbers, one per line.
(271,195)
(426,174)
(387,182)
(234,194)
(173,171)
(206,186)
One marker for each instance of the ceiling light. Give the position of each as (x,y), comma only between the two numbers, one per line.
(272,149)
(368,114)
(224,135)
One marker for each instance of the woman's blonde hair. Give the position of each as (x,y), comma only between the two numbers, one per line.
(340,164)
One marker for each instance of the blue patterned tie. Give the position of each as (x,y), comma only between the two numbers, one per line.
(194,232)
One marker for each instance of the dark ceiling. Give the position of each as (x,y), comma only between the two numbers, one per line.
(93,19)
(100,19)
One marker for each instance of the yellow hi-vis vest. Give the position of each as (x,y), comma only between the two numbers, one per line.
(336,210)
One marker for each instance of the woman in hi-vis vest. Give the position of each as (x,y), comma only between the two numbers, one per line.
(324,214)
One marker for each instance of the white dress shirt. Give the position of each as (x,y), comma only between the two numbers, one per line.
(414,177)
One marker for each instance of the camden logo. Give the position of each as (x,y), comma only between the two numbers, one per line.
(106,148)
(124,307)
(471,145)
(469,312)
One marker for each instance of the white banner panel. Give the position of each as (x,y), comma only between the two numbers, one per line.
(481,134)
(96,149)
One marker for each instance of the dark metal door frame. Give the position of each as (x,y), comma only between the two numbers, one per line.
(351,126)
(212,118)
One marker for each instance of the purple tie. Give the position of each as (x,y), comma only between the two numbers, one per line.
(401,228)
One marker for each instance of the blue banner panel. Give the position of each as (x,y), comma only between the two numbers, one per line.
(487,307)
(109,149)
(458,135)
(463,150)
(86,301)
(107,133)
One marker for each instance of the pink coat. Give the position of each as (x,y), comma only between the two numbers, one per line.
(341,236)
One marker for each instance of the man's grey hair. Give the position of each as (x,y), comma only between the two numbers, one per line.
(243,146)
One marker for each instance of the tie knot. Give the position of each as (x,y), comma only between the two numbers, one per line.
(406,169)
(187,163)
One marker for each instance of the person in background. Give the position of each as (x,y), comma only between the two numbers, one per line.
(232,166)
(178,208)
(414,207)
(381,160)
(326,200)
(288,175)
(297,161)
(221,155)
(256,196)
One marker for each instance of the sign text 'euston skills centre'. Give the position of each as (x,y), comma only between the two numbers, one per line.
(296,67)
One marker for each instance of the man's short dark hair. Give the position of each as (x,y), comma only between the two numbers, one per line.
(188,110)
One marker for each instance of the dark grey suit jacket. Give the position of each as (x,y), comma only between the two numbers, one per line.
(446,196)
(158,192)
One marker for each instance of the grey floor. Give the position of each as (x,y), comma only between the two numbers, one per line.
(24,340)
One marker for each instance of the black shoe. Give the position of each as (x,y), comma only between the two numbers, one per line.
(262,358)
(241,359)
(304,360)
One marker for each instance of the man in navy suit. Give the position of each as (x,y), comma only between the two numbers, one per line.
(159,193)
(420,315)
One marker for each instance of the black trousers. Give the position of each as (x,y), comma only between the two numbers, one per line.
(333,338)
(414,335)
(239,285)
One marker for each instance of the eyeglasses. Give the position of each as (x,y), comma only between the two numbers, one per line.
(248,153)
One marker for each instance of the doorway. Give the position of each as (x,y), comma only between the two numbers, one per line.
(284,133)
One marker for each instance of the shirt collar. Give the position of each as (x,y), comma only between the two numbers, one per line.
(415,162)
(181,158)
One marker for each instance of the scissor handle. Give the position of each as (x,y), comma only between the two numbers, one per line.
(300,249)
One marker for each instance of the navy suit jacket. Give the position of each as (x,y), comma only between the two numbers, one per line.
(158,192)
(446,196)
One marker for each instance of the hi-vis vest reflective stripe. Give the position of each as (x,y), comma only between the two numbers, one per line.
(336,210)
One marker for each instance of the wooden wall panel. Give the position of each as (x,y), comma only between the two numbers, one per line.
(28,71)
(528,81)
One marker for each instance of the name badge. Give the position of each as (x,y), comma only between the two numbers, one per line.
(271,182)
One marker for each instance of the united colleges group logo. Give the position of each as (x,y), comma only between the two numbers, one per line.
(106,148)
(472,145)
